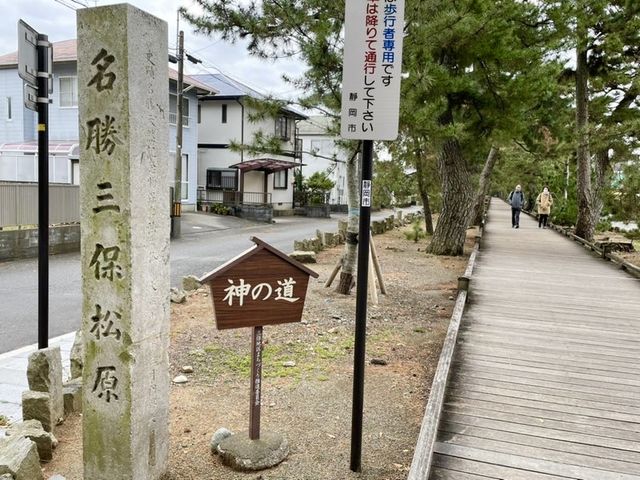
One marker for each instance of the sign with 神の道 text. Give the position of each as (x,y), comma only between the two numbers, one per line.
(262,286)
(372,67)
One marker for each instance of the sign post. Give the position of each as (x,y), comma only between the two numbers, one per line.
(262,286)
(34,67)
(370,111)
(256,383)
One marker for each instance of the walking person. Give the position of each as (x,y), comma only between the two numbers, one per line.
(516,200)
(544,202)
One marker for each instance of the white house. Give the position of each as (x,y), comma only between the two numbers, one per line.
(18,139)
(237,177)
(321,153)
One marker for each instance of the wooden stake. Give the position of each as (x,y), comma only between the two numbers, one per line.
(334,273)
(376,264)
(373,291)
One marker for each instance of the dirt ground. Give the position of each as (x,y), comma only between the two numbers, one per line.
(310,402)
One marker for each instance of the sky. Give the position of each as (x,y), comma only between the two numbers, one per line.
(58,21)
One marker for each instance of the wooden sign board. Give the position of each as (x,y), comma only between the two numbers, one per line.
(261,286)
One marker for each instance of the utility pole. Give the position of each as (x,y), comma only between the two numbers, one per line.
(177,197)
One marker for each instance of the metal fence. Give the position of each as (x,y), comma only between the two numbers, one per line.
(230,198)
(19,204)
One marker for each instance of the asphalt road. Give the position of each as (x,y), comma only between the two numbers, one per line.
(206,242)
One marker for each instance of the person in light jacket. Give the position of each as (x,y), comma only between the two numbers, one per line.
(516,200)
(544,202)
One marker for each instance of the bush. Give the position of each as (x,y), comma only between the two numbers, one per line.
(219,209)
(416,233)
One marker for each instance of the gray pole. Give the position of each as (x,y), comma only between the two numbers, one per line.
(177,206)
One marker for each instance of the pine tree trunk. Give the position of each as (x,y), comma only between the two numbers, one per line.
(602,167)
(584,223)
(483,186)
(422,187)
(350,254)
(451,229)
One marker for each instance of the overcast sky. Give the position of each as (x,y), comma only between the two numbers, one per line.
(59,22)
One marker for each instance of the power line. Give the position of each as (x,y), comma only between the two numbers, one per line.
(61,2)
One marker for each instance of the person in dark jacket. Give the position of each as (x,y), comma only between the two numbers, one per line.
(516,200)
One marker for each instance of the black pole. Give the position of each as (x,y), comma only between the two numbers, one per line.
(43,191)
(361,306)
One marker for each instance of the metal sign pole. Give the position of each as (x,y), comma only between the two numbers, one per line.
(43,191)
(256,383)
(361,307)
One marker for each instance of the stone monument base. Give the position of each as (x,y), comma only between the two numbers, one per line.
(241,453)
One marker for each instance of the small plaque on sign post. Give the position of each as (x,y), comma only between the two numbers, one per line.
(261,286)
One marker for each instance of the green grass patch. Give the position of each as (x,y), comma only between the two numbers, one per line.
(214,360)
(4,421)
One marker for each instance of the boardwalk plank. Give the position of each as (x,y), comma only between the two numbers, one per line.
(544,431)
(523,462)
(526,418)
(455,466)
(546,379)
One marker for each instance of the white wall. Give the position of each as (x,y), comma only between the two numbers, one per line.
(213,132)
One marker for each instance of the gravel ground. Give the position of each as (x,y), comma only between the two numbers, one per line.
(309,402)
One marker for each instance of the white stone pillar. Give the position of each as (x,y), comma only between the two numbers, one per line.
(123,90)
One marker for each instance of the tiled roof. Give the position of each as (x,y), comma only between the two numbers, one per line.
(228,87)
(67,51)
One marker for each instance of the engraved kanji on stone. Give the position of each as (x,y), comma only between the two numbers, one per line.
(102,135)
(105,264)
(106,383)
(103,324)
(105,199)
(103,80)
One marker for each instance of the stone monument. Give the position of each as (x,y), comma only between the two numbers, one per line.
(124,105)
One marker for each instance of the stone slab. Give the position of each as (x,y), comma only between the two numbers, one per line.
(19,457)
(44,374)
(123,83)
(241,453)
(37,406)
(32,429)
(72,391)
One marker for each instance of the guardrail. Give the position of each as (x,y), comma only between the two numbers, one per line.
(602,252)
(423,454)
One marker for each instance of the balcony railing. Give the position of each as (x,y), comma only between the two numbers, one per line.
(234,198)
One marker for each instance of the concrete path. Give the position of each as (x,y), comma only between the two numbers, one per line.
(546,383)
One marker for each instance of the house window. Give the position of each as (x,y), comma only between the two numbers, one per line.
(184,181)
(219,179)
(68,92)
(9,108)
(199,113)
(280,179)
(282,128)
(173,110)
(224,114)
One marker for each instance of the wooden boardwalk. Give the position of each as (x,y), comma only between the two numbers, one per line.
(546,379)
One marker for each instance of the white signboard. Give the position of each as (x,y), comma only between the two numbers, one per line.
(27,53)
(372,69)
